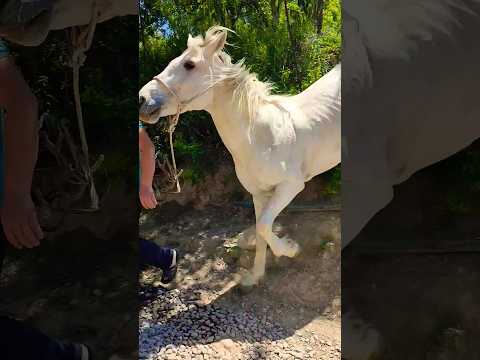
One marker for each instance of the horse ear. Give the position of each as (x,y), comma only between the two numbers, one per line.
(217,43)
(190,40)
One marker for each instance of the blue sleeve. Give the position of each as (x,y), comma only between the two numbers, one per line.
(2,160)
(3,50)
(3,53)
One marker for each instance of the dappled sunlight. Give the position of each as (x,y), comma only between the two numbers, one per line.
(297,304)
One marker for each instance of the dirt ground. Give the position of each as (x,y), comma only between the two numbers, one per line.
(300,295)
(411,279)
(421,306)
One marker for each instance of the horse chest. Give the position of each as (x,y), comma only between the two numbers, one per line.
(259,176)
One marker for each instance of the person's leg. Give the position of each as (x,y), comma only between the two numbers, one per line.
(155,255)
(20,341)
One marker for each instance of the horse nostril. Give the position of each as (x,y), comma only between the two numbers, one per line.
(148,105)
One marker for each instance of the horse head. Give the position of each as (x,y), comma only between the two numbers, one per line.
(187,82)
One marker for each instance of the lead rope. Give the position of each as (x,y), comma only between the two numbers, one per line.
(173,120)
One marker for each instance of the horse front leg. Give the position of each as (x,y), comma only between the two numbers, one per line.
(247,238)
(282,196)
(267,208)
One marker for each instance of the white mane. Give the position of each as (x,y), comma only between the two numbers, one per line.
(249,92)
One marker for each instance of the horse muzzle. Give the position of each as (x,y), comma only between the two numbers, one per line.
(149,109)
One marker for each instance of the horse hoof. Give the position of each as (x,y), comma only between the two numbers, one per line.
(244,290)
(295,250)
(248,281)
(285,247)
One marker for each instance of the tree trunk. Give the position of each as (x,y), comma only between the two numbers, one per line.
(319,15)
(232,14)
(219,12)
(287,16)
(141,19)
(293,44)
(275,6)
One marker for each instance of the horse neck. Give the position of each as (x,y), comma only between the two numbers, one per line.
(231,121)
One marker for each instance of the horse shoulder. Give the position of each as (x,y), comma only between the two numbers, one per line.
(275,126)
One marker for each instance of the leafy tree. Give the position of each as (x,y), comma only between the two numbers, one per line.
(290,43)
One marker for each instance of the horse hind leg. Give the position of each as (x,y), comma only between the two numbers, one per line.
(253,276)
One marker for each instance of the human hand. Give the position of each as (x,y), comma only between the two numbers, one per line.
(20,223)
(147,197)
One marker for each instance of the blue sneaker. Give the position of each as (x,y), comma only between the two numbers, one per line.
(169,274)
(82,352)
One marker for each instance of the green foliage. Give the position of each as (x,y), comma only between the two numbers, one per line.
(459,175)
(194,152)
(292,49)
(334,181)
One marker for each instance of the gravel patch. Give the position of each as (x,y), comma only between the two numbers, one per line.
(293,314)
(174,326)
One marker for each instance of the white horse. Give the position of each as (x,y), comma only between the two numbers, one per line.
(277,142)
(404,111)
(410,99)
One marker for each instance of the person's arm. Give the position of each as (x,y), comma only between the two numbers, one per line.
(147,170)
(21,147)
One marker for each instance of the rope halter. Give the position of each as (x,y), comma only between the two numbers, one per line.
(173,120)
(172,123)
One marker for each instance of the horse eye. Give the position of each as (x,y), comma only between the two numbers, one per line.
(189,65)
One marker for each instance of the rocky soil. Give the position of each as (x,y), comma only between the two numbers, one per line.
(293,314)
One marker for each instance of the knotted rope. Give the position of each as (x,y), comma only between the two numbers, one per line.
(173,121)
(81,41)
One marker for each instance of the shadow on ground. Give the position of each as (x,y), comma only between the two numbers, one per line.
(296,293)
(413,275)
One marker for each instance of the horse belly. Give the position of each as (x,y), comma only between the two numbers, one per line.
(322,151)
(317,165)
